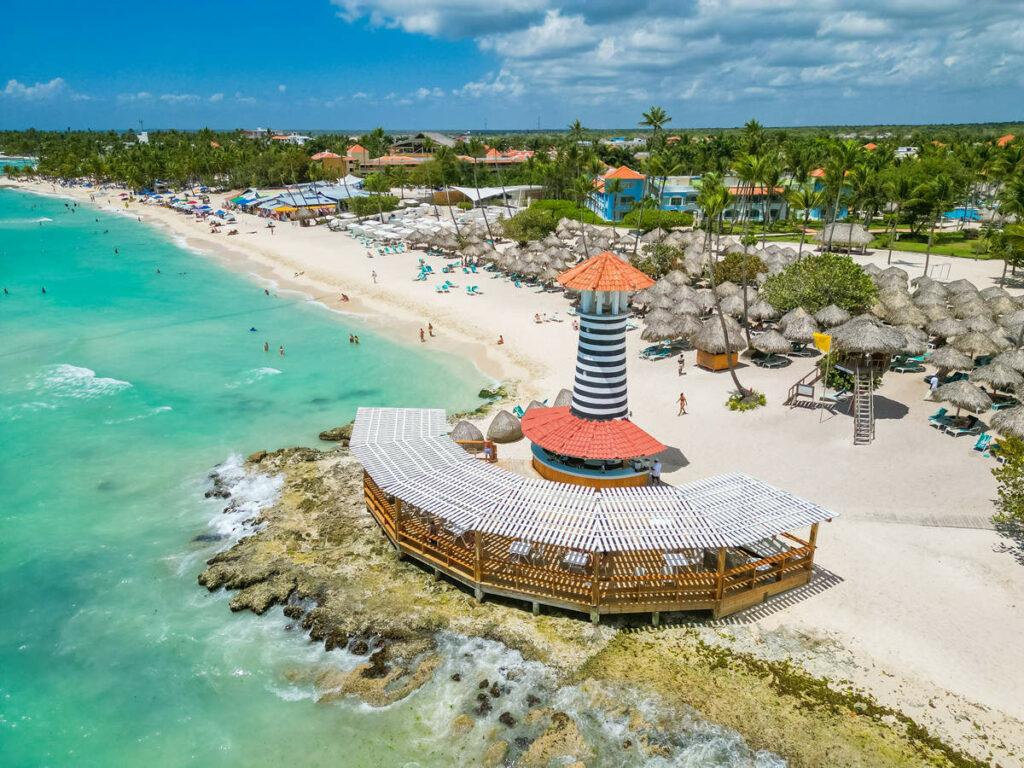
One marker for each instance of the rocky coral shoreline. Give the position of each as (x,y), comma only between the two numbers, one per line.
(585,695)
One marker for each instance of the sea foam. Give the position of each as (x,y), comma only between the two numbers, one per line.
(249,494)
(66,380)
(252,376)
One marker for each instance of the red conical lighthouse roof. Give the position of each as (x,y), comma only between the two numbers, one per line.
(605,272)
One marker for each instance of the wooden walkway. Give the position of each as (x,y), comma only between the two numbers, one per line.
(722,580)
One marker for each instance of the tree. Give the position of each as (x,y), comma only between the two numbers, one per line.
(379,184)
(530,224)
(399,178)
(936,194)
(660,166)
(898,190)
(713,199)
(1010,481)
(477,150)
(819,280)
(739,268)
(805,199)
(656,119)
(842,157)
(658,259)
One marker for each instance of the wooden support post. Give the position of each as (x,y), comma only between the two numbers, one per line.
(398,520)
(478,594)
(478,557)
(595,617)
(720,575)
(814,545)
(595,583)
(437,574)
(536,608)
(655,618)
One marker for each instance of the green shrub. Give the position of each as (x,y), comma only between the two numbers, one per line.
(464,206)
(819,280)
(530,224)
(657,259)
(1010,480)
(731,268)
(367,206)
(840,380)
(566,209)
(748,402)
(669,219)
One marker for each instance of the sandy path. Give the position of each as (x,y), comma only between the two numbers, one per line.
(919,598)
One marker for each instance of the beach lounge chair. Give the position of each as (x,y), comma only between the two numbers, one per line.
(518,411)
(936,418)
(973,427)
(476,290)
(983,440)
(472,268)
(516,284)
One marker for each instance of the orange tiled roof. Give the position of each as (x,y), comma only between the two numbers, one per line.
(605,272)
(870,145)
(355,148)
(322,155)
(622,172)
(279,138)
(818,173)
(493,153)
(559,431)
(1002,141)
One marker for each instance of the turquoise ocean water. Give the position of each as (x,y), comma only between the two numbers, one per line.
(119,389)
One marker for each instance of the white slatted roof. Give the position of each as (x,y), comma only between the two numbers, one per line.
(408,454)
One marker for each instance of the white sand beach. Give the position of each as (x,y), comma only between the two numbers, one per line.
(918,598)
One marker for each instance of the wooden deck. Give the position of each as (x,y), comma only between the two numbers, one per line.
(649,581)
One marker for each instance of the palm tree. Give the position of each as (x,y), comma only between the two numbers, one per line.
(656,119)
(660,166)
(769,178)
(445,158)
(842,157)
(1011,197)
(936,194)
(713,200)
(400,178)
(379,184)
(805,199)
(477,150)
(583,188)
(899,191)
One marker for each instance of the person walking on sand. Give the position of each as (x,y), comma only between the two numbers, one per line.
(374,275)
(430,329)
(682,404)
(501,339)
(682,364)
(933,384)
(422,336)
(266,346)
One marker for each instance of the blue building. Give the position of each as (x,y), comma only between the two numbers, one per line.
(615,192)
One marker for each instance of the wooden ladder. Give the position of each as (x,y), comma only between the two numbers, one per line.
(863,408)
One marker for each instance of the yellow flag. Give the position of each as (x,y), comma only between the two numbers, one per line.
(823,342)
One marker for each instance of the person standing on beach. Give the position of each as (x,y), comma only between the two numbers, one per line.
(374,275)
(682,404)
(422,336)
(430,329)
(933,384)
(501,339)
(655,473)
(266,346)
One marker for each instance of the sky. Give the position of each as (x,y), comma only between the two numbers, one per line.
(513,64)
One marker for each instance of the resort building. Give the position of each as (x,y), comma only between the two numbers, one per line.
(615,192)
(417,143)
(749,204)
(679,193)
(334,162)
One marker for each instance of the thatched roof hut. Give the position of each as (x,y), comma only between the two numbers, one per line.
(800,329)
(732,305)
(861,336)
(831,316)
(762,310)
(711,339)
(728,288)
(1012,359)
(504,428)
(771,343)
(1009,422)
(466,431)
(793,314)
(974,343)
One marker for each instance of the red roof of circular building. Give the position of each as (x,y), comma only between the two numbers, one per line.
(605,272)
(559,431)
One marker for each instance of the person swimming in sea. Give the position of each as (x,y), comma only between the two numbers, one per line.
(266,346)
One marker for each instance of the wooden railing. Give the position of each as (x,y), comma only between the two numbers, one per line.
(626,582)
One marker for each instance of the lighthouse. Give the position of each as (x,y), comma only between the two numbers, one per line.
(592,441)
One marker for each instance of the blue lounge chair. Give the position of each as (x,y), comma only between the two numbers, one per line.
(983,440)
(516,284)
(518,411)
(936,418)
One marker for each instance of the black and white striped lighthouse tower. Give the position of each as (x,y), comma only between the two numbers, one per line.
(593,441)
(599,389)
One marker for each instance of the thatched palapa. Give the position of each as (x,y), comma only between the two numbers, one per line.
(465,431)
(505,428)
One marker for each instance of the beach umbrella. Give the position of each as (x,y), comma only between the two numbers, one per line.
(762,310)
(685,326)
(658,331)
(998,376)
(922,281)
(906,315)
(950,359)
(656,235)
(797,313)
(684,293)
(549,275)
(937,313)
(972,308)
(1002,305)
(535,404)
(504,428)
(862,336)
(695,261)
(1009,422)
(705,299)
(980,323)
(801,330)
(913,345)
(658,317)
(1013,358)
(686,307)
(663,302)
(771,343)
(728,288)
(711,339)
(960,285)
(678,278)
(1001,337)
(466,431)
(963,394)
(732,305)
(974,343)
(563,398)
(947,329)
(831,316)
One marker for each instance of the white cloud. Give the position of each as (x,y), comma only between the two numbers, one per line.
(360,95)
(243,99)
(35,92)
(425,93)
(853,26)
(140,96)
(216,97)
(282,88)
(178,98)
(503,84)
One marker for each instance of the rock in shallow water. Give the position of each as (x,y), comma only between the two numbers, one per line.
(338,434)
